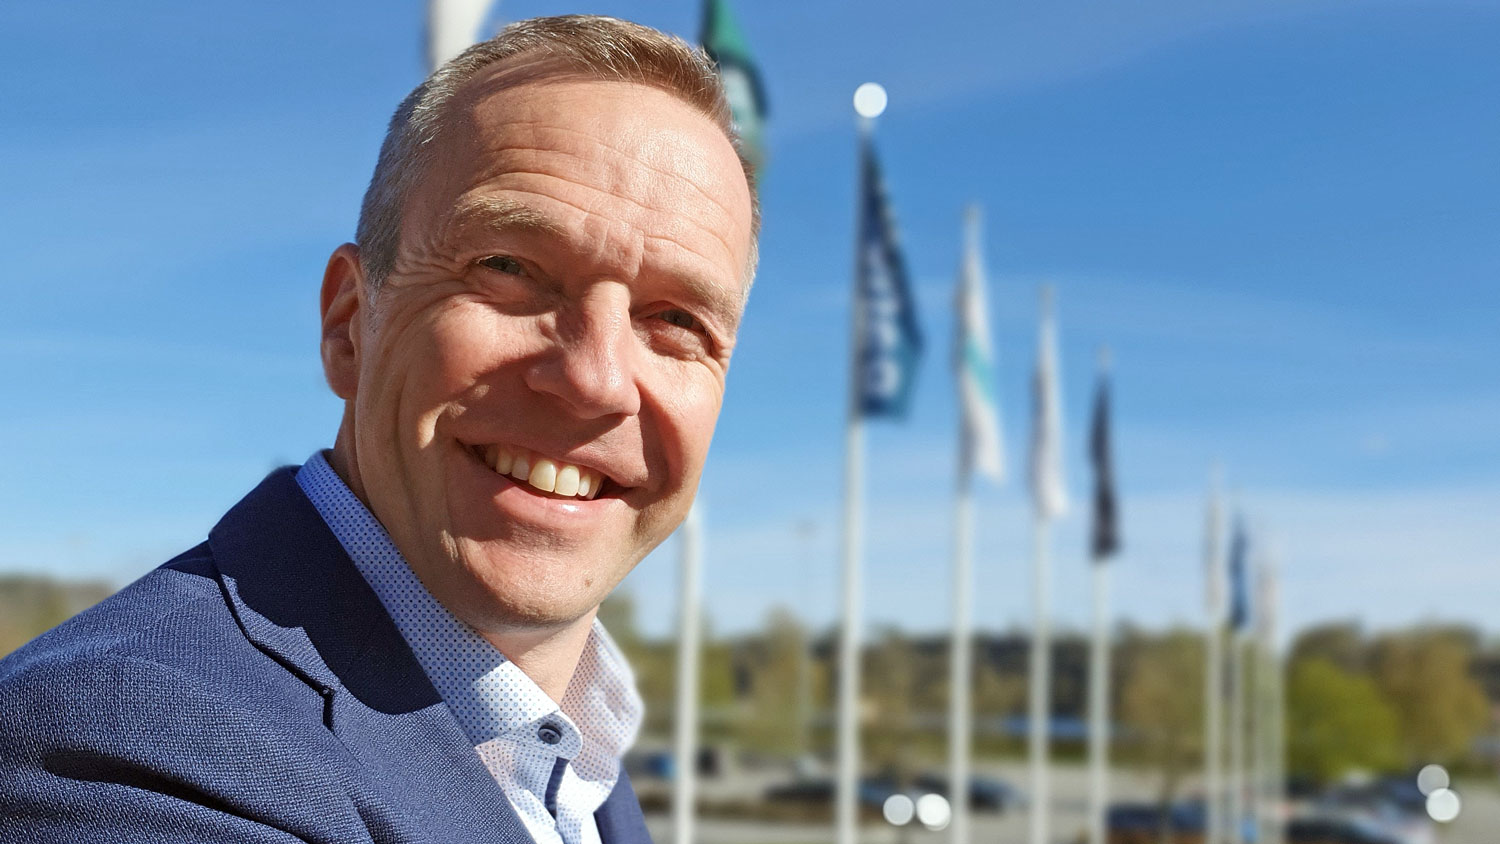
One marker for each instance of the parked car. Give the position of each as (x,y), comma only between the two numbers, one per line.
(872,791)
(986,794)
(1143,823)
(1334,830)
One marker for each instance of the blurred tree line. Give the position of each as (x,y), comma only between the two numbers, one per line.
(1388,701)
(30,605)
(1378,702)
(1354,701)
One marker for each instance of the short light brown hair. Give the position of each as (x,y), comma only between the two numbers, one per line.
(588,45)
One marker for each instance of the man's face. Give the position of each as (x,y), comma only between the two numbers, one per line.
(566,295)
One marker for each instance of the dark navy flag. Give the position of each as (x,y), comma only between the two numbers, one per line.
(1105,540)
(1239,586)
(888,342)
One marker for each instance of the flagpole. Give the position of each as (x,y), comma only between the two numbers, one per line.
(1099,677)
(1236,738)
(1267,794)
(1098,706)
(1037,721)
(1237,715)
(1213,688)
(846,805)
(960,731)
(1050,501)
(1257,718)
(849,646)
(686,739)
(1278,715)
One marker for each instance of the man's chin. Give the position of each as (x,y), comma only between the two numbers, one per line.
(509,593)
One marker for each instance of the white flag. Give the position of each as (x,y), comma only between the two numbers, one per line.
(452,27)
(1047,487)
(974,359)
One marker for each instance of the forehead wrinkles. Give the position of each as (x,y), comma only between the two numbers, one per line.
(664,178)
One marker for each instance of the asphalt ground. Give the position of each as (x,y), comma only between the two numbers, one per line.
(1478,823)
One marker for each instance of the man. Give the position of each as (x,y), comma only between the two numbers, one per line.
(396,642)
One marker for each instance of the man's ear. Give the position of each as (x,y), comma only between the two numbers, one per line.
(340,302)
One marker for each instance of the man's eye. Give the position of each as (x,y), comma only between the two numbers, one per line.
(682,319)
(503,264)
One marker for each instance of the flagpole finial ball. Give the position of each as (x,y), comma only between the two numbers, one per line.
(869,100)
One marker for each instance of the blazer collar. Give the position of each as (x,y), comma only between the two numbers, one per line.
(298,597)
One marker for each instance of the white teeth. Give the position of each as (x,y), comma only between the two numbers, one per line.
(521,468)
(543,475)
(567,481)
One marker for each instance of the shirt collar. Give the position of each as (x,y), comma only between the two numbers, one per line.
(489,695)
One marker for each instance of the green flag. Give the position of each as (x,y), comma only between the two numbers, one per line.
(725,44)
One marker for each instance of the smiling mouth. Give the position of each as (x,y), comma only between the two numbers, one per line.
(543,475)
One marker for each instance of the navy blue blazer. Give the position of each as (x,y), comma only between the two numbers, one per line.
(252,689)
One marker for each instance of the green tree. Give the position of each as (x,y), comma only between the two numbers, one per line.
(1336,722)
(1341,643)
(1162,702)
(889,681)
(1439,707)
(778,686)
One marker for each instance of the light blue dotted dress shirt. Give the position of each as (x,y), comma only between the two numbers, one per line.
(556,764)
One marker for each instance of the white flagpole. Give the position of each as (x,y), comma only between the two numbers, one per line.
(686,739)
(1278,712)
(847,807)
(452,26)
(1268,776)
(1259,719)
(978,452)
(1213,687)
(1236,736)
(1037,721)
(1099,706)
(846,803)
(1099,688)
(1050,501)
(960,731)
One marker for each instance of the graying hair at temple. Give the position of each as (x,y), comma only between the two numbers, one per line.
(588,46)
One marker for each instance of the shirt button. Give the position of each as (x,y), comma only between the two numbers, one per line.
(549,734)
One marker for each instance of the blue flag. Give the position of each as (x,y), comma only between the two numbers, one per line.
(1239,586)
(888,341)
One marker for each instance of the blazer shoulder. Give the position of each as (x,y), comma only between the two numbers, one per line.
(137,619)
(108,742)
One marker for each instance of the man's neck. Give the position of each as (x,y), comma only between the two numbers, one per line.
(548,657)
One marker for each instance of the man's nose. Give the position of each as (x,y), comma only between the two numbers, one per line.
(592,366)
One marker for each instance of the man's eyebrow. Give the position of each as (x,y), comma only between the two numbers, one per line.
(499,214)
(726,305)
(495,213)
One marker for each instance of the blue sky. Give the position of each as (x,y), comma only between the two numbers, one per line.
(1281,215)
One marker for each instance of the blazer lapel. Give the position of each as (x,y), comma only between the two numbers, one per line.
(300,599)
(620,820)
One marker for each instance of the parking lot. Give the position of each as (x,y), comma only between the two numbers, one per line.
(1479,822)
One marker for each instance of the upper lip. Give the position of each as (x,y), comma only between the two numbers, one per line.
(582,458)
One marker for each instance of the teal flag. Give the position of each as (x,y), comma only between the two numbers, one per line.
(725,44)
